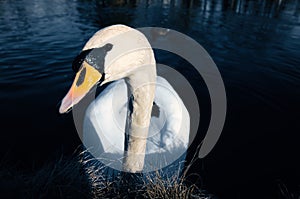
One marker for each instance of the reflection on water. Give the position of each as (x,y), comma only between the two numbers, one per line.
(255,45)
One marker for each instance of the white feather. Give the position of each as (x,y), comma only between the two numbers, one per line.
(104,126)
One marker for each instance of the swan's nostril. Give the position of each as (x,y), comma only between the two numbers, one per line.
(81,77)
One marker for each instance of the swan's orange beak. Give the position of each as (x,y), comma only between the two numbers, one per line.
(84,81)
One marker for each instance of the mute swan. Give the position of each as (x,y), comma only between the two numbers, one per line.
(123,130)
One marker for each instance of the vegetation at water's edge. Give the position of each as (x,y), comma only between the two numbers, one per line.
(76,177)
(72,178)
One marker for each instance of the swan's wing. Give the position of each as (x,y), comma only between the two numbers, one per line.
(169,132)
(171,129)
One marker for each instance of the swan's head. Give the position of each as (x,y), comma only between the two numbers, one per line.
(112,53)
(89,68)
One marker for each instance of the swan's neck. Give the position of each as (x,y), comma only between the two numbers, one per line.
(141,86)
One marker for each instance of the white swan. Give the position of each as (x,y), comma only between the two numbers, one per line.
(121,53)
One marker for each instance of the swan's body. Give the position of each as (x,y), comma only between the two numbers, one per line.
(104,126)
(120,128)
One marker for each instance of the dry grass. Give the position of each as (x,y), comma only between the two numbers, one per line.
(149,185)
(159,187)
(286,193)
(82,177)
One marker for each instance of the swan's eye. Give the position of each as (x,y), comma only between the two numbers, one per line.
(95,57)
(78,60)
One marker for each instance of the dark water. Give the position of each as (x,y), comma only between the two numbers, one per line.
(255,45)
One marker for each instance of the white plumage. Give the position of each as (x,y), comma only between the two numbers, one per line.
(122,54)
(104,124)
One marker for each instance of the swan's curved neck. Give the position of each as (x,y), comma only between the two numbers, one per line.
(141,87)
